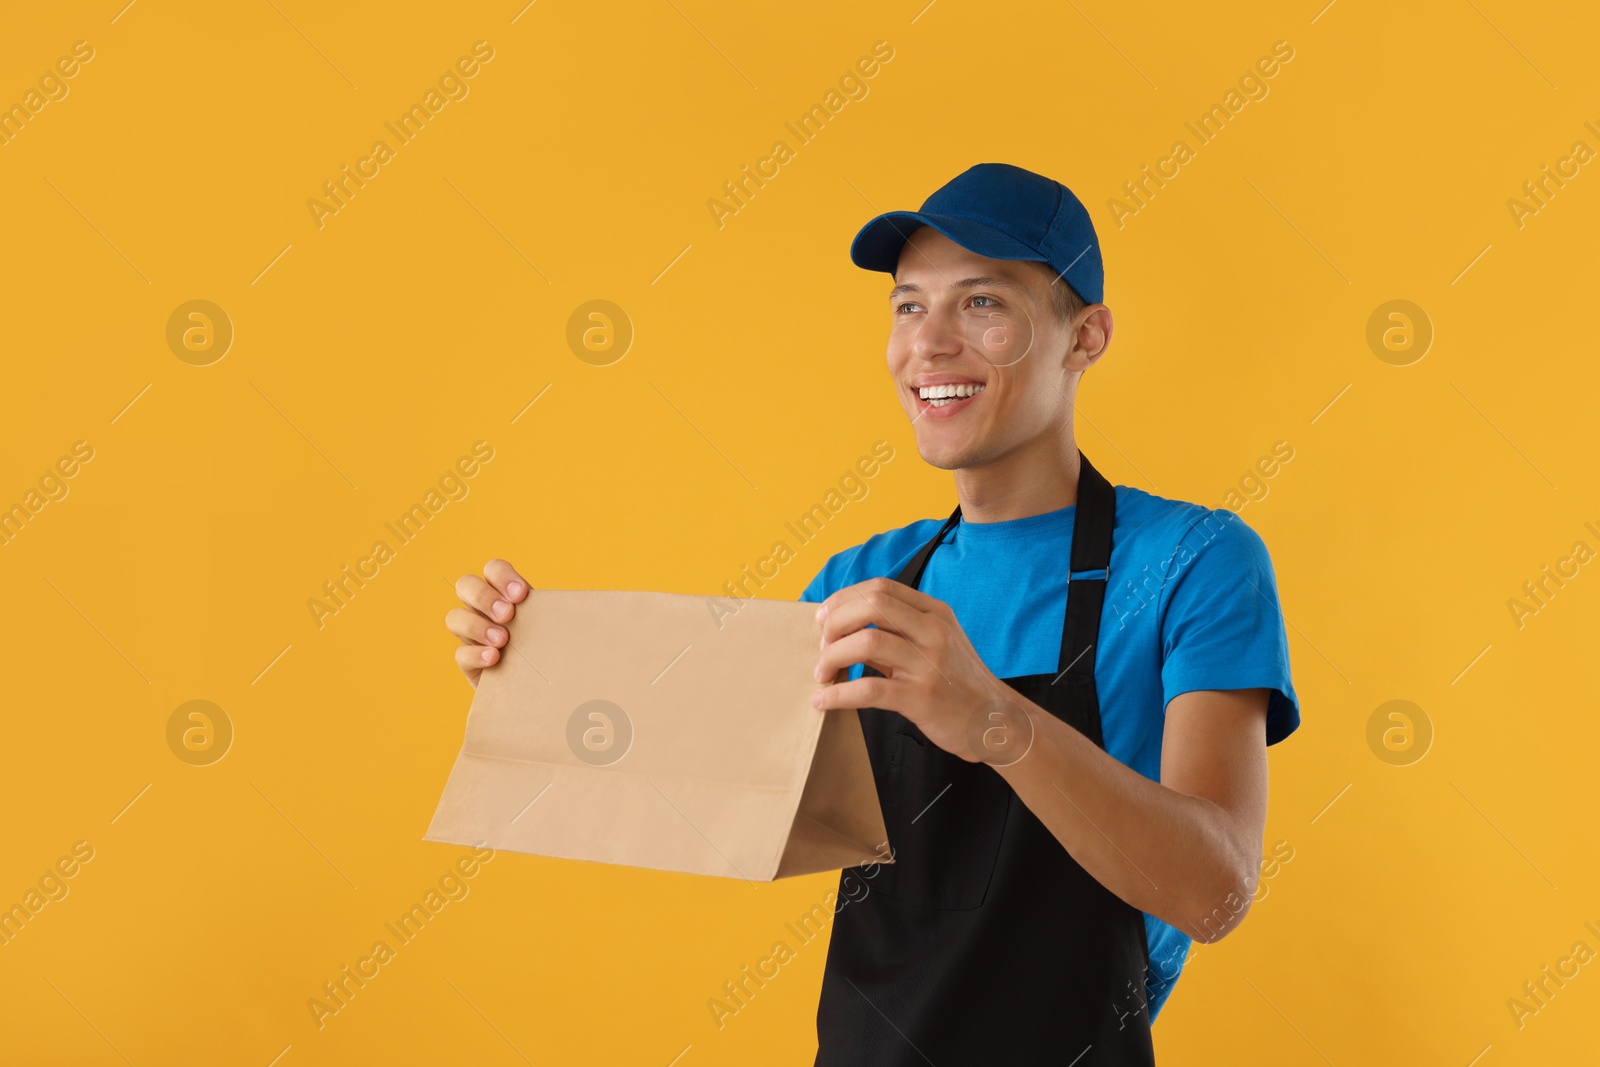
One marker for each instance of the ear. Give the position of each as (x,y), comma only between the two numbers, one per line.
(1091,336)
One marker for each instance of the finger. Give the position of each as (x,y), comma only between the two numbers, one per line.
(480,595)
(881,610)
(878,590)
(504,577)
(475,657)
(473,628)
(879,649)
(861,693)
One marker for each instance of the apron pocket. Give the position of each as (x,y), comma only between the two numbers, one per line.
(945,817)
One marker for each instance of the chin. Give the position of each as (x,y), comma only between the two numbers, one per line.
(946,456)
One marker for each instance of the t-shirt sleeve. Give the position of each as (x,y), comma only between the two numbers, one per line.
(1221,623)
(835,574)
(820,588)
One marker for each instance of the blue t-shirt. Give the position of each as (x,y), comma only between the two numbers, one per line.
(1191,603)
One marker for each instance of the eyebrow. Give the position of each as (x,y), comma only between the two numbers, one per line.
(965,283)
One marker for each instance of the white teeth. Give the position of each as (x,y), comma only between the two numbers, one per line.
(940,395)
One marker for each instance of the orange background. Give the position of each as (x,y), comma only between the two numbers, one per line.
(431,310)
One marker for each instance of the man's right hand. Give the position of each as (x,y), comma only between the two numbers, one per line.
(490,603)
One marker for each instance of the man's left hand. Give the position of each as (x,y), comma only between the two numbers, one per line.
(932,674)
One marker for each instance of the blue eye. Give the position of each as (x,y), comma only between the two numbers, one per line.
(900,308)
(988,298)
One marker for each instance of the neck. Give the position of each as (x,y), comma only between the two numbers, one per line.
(1039,477)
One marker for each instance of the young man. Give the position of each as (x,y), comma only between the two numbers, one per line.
(1066,688)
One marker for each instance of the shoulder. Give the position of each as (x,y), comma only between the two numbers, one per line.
(1177,532)
(882,555)
(1218,617)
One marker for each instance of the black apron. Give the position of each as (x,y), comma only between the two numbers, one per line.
(985,942)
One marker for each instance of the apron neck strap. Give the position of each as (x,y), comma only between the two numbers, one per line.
(1089,568)
(912,573)
(1093,521)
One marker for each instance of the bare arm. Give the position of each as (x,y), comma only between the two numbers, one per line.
(1186,849)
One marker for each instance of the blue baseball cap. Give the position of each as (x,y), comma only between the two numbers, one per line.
(1002,212)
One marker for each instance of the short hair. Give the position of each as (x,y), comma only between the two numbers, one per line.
(1064,299)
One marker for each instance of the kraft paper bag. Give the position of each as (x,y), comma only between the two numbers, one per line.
(665,731)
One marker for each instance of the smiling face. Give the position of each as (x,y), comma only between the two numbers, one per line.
(983,365)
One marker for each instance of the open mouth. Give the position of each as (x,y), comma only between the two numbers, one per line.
(947,398)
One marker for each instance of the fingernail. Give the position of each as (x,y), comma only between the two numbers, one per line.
(816,672)
(500,608)
(488,655)
(514,589)
(816,699)
(822,613)
(496,635)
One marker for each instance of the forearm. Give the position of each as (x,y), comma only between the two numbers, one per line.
(1184,859)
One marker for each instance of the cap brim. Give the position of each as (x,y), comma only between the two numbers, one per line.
(878,244)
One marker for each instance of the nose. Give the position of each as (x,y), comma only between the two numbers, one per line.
(939,334)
